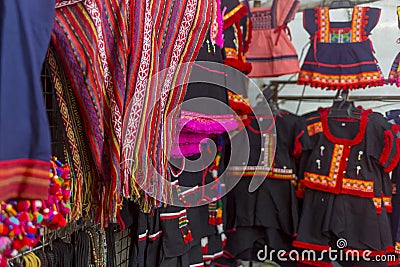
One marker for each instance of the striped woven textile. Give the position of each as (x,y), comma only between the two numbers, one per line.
(109,51)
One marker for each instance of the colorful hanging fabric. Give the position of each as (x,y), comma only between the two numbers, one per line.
(109,52)
(25,29)
(341,54)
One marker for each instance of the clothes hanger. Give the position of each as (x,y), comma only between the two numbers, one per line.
(270,95)
(343,108)
(341,4)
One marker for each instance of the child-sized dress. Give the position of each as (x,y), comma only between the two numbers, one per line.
(271,52)
(341,54)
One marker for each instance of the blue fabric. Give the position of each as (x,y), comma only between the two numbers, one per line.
(350,53)
(347,58)
(25,28)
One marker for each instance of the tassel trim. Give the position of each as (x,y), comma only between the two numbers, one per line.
(330,86)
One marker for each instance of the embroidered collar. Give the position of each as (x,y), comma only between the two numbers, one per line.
(349,142)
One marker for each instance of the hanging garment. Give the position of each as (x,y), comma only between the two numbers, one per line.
(109,53)
(205,110)
(271,52)
(393,117)
(394,74)
(341,54)
(206,222)
(345,184)
(25,29)
(267,216)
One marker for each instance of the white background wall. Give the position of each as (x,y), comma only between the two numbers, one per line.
(384,38)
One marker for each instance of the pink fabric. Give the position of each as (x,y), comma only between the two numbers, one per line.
(220,36)
(195,127)
(271,51)
(185,150)
(203,123)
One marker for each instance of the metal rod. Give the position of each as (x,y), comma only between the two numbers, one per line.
(276,83)
(43,245)
(33,249)
(355,98)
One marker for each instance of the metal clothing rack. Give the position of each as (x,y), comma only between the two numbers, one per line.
(276,83)
(50,236)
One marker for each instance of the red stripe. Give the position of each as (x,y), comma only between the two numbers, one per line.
(395,159)
(152,238)
(29,173)
(169,217)
(27,162)
(317,263)
(26,191)
(388,141)
(341,65)
(227,253)
(390,249)
(317,247)
(357,193)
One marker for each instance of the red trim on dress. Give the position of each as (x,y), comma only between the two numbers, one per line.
(343,141)
(329,86)
(395,159)
(390,249)
(387,147)
(393,263)
(228,254)
(305,245)
(395,128)
(316,263)
(297,145)
(341,65)
(238,64)
(300,189)
(357,193)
